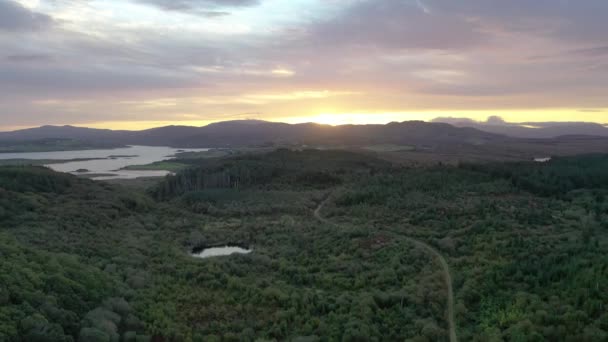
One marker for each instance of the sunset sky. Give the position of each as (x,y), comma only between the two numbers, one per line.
(143,63)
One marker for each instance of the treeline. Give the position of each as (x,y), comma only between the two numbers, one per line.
(52,287)
(525,241)
(55,297)
(90,261)
(279,169)
(553,178)
(118,264)
(33,179)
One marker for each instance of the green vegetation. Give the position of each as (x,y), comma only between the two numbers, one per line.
(93,261)
(94,175)
(222,152)
(390,148)
(165,165)
(212,153)
(184,159)
(526,267)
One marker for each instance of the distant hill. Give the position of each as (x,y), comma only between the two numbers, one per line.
(60,132)
(254,132)
(540,130)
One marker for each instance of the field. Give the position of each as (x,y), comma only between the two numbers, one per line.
(346,246)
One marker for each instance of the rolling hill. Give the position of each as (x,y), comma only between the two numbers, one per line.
(537,130)
(254,132)
(425,140)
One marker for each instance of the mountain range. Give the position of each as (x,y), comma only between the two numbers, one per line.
(254,132)
(532,130)
(493,139)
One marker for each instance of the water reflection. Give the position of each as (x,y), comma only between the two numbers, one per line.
(220,251)
(108,162)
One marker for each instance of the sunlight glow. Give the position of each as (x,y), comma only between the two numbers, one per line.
(283,72)
(556,115)
(334,118)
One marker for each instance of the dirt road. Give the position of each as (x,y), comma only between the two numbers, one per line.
(436,255)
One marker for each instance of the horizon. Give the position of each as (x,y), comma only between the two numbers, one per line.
(458,121)
(303,170)
(138,64)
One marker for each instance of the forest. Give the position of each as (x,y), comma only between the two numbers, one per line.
(84,260)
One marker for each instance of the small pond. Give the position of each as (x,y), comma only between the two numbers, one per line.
(219,251)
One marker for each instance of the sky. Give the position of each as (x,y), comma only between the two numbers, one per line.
(134,64)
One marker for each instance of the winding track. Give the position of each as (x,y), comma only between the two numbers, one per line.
(447,277)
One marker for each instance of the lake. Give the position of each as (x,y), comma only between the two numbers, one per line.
(111,164)
(221,251)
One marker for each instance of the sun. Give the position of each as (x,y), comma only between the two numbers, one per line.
(362,118)
(330,119)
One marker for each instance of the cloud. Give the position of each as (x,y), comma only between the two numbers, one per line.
(14,18)
(63,80)
(208,8)
(492,120)
(495,120)
(29,58)
(454,121)
(597,51)
(396,25)
(573,20)
(591,110)
(387,55)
